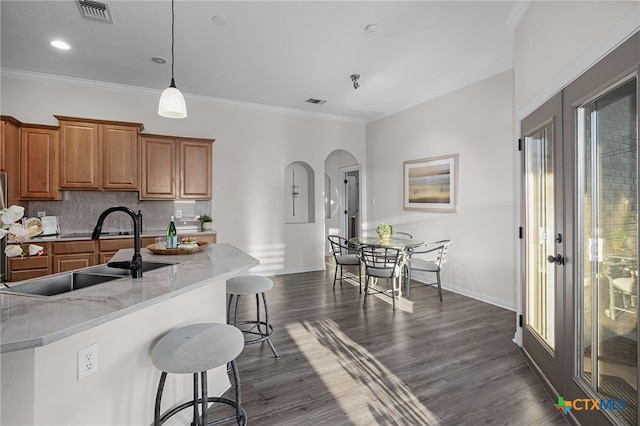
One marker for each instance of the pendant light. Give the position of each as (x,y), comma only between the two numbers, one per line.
(172,103)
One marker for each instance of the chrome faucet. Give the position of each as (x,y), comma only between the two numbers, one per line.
(135,265)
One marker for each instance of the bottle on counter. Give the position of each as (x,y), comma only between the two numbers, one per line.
(172,235)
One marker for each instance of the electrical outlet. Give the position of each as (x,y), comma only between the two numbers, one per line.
(42,214)
(178,214)
(87,361)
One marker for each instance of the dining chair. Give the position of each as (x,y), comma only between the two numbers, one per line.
(433,263)
(381,262)
(341,250)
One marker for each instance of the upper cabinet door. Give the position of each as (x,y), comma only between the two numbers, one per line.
(39,150)
(120,157)
(79,155)
(195,169)
(158,174)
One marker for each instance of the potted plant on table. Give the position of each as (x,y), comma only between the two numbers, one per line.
(384,232)
(206,222)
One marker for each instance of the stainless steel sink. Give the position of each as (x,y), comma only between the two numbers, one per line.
(70,281)
(104,269)
(58,284)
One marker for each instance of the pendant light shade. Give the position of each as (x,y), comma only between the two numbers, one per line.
(172,104)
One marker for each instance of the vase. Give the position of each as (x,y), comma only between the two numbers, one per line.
(384,238)
(206,226)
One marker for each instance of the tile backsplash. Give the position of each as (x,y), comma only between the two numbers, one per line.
(78,211)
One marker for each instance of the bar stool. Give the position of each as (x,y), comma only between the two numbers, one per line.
(245,285)
(195,349)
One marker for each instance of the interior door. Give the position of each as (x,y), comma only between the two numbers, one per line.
(542,241)
(351,210)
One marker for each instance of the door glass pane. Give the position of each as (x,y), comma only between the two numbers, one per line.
(540,280)
(608,210)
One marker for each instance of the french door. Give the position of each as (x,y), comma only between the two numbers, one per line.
(544,236)
(580,241)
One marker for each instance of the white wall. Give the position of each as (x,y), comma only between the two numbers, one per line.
(252,149)
(476,123)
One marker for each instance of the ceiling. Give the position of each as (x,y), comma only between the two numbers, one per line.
(273,54)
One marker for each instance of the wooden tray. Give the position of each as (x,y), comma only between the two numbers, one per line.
(201,246)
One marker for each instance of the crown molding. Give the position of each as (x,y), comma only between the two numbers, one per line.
(517,12)
(79,82)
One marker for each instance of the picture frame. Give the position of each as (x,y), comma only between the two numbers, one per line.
(431,184)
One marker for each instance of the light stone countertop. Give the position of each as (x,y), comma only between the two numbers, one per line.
(28,322)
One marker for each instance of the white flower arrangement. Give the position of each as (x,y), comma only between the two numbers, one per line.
(18,233)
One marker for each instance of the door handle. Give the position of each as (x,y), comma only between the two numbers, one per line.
(557,259)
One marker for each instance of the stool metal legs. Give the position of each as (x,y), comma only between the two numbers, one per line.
(262,329)
(202,420)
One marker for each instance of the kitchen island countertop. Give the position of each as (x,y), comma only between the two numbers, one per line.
(29,322)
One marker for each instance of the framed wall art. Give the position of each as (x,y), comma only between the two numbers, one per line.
(431,184)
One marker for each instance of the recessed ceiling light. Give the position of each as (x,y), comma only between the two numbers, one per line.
(60,44)
(219,20)
(158,60)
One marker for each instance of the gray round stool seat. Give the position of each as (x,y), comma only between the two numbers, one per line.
(195,349)
(245,285)
(255,331)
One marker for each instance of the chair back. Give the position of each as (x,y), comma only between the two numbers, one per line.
(380,261)
(439,248)
(339,245)
(441,256)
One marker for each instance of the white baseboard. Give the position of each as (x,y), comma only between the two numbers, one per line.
(474,295)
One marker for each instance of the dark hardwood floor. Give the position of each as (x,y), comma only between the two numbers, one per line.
(427,363)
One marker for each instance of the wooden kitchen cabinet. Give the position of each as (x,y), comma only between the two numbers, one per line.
(10,156)
(158,169)
(98,154)
(69,255)
(23,268)
(39,172)
(195,169)
(175,168)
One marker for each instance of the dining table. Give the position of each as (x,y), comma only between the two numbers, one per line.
(404,244)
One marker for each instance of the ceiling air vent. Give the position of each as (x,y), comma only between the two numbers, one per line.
(94,11)
(315,101)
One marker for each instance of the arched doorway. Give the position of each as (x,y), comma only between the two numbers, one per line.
(341,195)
